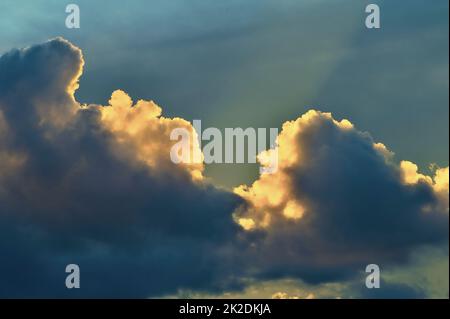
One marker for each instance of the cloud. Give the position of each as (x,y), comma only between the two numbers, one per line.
(390,291)
(337,203)
(94,185)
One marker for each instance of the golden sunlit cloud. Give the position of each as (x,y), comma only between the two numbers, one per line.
(274,196)
(142,133)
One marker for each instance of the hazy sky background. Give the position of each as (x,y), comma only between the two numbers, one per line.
(258,63)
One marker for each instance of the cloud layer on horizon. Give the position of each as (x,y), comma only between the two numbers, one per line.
(94,185)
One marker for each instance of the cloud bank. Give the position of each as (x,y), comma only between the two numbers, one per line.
(338,202)
(94,185)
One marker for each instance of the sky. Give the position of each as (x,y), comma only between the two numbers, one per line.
(363,148)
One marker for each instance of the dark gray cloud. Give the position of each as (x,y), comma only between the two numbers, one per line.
(78,184)
(67,197)
(339,202)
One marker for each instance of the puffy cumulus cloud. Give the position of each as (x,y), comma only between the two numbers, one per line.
(440,185)
(141,133)
(337,203)
(439,182)
(37,84)
(94,185)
